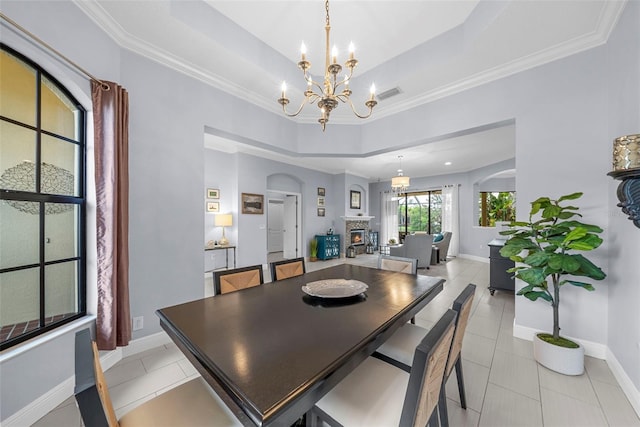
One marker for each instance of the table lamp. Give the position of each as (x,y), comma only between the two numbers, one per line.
(223,220)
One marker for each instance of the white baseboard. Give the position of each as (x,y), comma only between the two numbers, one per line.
(50,400)
(629,389)
(40,407)
(593,349)
(110,358)
(474,258)
(145,343)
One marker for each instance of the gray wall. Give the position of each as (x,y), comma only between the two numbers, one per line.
(228,172)
(623,79)
(473,239)
(566,115)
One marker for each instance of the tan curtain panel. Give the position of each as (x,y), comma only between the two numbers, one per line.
(111,126)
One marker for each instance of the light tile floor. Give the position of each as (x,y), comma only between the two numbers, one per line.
(505,386)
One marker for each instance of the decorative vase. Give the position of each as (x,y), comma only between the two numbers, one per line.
(567,361)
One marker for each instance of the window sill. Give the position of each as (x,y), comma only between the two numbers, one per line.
(29,345)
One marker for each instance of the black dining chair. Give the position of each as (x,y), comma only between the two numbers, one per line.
(287,268)
(379,394)
(193,403)
(397,349)
(235,279)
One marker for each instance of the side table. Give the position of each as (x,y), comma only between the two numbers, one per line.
(226,251)
(435,255)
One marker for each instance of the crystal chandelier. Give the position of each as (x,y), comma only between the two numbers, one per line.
(400,183)
(332,89)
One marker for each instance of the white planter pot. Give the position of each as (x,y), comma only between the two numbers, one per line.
(567,361)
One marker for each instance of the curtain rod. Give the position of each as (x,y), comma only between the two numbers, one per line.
(51,49)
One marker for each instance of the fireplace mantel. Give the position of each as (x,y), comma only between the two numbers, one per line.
(357,218)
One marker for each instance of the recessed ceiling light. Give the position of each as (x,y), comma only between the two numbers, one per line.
(447,163)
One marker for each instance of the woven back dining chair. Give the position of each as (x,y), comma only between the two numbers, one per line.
(225,281)
(397,263)
(397,350)
(193,403)
(410,399)
(400,264)
(287,268)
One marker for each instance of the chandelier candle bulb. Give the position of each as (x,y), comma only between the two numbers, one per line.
(334,54)
(352,50)
(303,51)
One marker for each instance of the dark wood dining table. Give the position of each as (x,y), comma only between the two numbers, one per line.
(272,351)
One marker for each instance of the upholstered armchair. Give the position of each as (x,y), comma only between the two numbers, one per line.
(416,246)
(443,245)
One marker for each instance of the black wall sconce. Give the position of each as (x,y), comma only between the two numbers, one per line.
(626,167)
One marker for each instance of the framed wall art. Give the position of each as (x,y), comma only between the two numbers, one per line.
(320,211)
(355,199)
(213,193)
(320,191)
(320,201)
(213,207)
(252,203)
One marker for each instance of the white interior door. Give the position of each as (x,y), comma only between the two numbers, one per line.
(275,212)
(290,227)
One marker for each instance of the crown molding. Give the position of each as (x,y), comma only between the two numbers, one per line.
(128,41)
(606,23)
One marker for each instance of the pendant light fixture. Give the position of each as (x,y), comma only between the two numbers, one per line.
(400,183)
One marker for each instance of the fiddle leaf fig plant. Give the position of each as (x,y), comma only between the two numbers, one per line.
(548,252)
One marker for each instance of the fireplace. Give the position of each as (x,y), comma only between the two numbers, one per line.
(356,229)
(357,236)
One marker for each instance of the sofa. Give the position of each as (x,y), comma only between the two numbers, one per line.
(416,246)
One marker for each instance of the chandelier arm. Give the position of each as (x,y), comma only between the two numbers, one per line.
(313,97)
(350,75)
(284,108)
(340,83)
(318,86)
(353,108)
(308,78)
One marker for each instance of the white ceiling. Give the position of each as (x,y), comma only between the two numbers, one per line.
(427,49)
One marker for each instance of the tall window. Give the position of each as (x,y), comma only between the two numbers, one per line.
(420,211)
(496,206)
(42,201)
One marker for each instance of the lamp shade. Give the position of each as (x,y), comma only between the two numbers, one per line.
(223,220)
(400,181)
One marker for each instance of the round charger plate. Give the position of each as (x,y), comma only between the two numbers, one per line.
(335,288)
